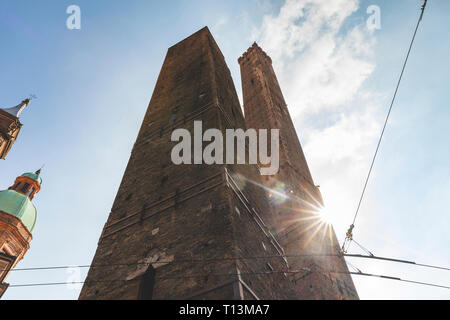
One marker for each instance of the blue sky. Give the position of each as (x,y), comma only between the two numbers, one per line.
(94,84)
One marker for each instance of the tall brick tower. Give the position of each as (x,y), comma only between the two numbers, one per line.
(198,231)
(188,231)
(17,220)
(296,223)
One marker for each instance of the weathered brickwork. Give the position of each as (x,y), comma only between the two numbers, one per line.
(194,224)
(201,231)
(297,225)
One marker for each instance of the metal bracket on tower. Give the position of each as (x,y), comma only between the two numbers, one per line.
(348,238)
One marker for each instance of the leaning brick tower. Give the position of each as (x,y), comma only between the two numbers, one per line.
(310,244)
(188,231)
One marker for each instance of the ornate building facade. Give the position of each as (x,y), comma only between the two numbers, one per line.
(17,220)
(10,126)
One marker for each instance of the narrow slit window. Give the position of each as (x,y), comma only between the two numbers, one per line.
(147,284)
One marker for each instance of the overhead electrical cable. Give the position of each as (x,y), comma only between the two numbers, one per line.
(349,234)
(359,273)
(349,255)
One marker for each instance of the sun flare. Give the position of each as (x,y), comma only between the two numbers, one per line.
(326,215)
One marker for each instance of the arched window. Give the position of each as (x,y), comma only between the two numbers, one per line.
(25,188)
(146,285)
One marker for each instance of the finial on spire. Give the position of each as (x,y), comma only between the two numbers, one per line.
(38,172)
(17,110)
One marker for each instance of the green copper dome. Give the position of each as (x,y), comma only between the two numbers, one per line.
(34,176)
(18,205)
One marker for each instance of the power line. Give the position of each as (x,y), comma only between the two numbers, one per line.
(349,255)
(173,261)
(370,255)
(350,230)
(395,260)
(359,273)
(399,279)
(431,266)
(364,249)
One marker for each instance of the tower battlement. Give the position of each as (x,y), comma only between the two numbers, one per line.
(254,49)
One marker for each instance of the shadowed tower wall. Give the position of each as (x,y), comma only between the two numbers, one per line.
(296,223)
(175,231)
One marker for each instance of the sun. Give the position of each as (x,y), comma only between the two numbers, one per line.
(326,215)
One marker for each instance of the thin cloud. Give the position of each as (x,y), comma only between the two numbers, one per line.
(319,64)
(322,60)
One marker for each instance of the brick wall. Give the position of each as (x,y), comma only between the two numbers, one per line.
(183,220)
(296,222)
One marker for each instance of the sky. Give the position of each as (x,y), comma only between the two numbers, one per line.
(93,86)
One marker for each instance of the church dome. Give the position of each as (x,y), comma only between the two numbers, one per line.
(33,175)
(20,206)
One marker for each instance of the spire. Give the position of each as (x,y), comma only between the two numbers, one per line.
(10,125)
(17,110)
